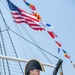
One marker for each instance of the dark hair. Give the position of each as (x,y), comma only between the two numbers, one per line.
(31,70)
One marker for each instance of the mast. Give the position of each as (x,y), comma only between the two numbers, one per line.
(7,48)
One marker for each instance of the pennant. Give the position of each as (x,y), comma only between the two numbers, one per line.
(58,50)
(64,51)
(37,15)
(48,25)
(59,45)
(21,16)
(67,56)
(24,0)
(52,34)
(30,5)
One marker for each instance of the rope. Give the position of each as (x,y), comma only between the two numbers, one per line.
(34,44)
(27,43)
(34,41)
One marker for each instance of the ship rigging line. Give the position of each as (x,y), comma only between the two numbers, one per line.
(25,42)
(11,15)
(55,71)
(34,44)
(7,27)
(29,36)
(28,40)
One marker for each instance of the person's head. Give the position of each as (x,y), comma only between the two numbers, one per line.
(33,67)
(34,72)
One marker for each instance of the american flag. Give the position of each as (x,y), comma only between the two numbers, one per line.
(21,16)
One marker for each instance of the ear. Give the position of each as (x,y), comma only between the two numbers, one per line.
(30,71)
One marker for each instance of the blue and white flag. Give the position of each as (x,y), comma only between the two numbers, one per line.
(49,25)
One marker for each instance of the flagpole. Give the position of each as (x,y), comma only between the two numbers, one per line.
(23,60)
